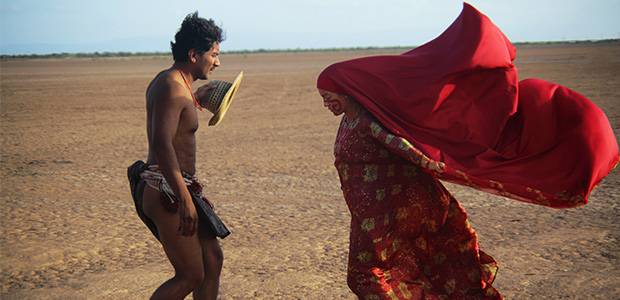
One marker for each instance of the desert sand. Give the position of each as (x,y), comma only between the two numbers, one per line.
(70,127)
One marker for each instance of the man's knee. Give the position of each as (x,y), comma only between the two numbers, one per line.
(213,258)
(191,278)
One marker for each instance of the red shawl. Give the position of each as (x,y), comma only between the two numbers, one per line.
(458,100)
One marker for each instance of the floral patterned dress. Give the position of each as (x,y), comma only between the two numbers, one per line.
(409,238)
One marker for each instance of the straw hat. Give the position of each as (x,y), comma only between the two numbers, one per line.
(217,99)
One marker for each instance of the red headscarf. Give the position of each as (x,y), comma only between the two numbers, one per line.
(458,100)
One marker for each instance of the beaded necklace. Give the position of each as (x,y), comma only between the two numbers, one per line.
(189,87)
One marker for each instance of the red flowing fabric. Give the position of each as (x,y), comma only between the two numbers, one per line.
(458,100)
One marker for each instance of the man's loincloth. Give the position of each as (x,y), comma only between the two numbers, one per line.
(141,174)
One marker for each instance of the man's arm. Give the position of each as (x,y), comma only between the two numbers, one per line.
(167,110)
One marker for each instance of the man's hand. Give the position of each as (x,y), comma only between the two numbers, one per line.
(188,218)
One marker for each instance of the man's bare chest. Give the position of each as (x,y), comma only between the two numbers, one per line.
(188,121)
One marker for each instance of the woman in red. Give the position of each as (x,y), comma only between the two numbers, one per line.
(409,237)
(451,109)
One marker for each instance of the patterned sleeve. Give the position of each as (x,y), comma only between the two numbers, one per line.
(402,147)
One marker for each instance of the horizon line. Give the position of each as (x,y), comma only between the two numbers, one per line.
(104,54)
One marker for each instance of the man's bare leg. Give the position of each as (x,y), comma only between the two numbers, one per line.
(184,252)
(213,259)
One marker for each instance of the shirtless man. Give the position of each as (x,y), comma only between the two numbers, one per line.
(172,120)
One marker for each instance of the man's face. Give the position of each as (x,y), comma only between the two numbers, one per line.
(336,103)
(208,61)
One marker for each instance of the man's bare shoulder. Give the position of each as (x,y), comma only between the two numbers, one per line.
(167,86)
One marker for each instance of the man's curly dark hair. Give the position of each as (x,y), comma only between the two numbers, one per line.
(195,33)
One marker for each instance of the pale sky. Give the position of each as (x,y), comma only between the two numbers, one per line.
(52,26)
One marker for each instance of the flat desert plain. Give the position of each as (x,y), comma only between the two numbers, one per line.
(70,128)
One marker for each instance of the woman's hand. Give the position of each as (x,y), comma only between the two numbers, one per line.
(435,166)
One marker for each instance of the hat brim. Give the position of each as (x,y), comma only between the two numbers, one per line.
(228,97)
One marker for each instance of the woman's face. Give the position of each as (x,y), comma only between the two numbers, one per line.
(336,103)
